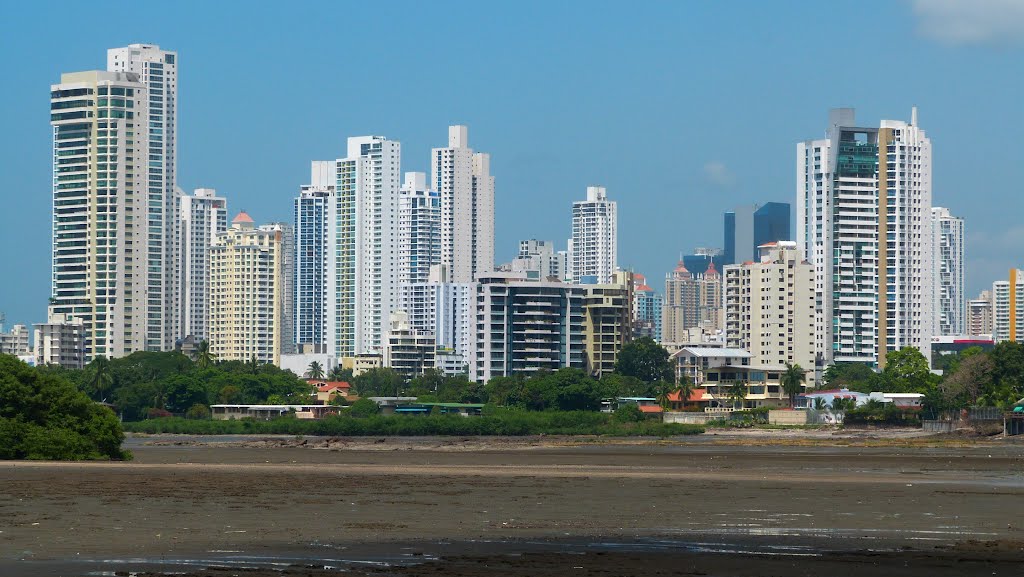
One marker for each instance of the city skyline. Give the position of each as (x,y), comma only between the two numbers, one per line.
(667,191)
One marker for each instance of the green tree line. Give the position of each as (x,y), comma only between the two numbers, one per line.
(971,378)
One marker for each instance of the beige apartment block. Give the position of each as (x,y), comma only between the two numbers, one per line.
(248,292)
(607,324)
(769,308)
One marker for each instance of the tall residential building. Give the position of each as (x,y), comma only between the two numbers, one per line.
(444,309)
(203,217)
(593,249)
(312,239)
(249,286)
(539,258)
(524,326)
(750,226)
(363,246)
(692,300)
(15,342)
(463,179)
(406,350)
(607,322)
(101,223)
(647,309)
(769,308)
(419,229)
(864,199)
(979,314)
(60,341)
(158,70)
(950,302)
(1008,308)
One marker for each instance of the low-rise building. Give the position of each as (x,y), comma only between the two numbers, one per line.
(693,362)
(268,412)
(327,391)
(903,400)
(60,341)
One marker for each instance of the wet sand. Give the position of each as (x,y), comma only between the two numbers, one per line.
(252,503)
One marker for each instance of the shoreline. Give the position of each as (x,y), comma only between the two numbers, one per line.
(255,499)
(697,554)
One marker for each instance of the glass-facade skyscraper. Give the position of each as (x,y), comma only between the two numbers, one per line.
(751,226)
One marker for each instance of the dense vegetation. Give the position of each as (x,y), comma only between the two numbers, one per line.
(43,416)
(972,378)
(494,422)
(147,384)
(160,384)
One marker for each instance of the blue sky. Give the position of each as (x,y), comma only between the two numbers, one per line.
(681,109)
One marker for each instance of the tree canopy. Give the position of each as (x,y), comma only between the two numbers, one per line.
(169,381)
(646,360)
(43,416)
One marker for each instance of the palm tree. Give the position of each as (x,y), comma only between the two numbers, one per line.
(685,389)
(204,358)
(315,370)
(841,405)
(819,404)
(737,393)
(664,389)
(254,365)
(100,379)
(340,374)
(792,382)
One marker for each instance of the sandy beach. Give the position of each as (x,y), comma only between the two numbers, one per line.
(455,504)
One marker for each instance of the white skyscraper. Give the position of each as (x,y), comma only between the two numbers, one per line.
(419,229)
(203,217)
(463,179)
(950,302)
(864,199)
(445,310)
(312,238)
(100,218)
(363,246)
(158,70)
(593,249)
(1008,308)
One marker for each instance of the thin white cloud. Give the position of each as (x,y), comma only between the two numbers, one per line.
(971,21)
(1009,239)
(718,174)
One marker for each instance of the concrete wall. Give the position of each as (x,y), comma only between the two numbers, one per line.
(692,418)
(789,418)
(938,426)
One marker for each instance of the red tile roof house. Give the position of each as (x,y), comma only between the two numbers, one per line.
(675,401)
(326,391)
